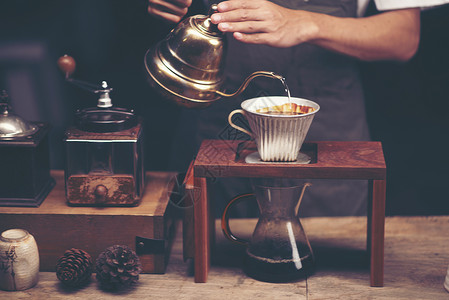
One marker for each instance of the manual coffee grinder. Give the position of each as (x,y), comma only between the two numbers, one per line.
(104,151)
(24,159)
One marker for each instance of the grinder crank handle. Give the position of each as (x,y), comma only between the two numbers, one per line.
(67,65)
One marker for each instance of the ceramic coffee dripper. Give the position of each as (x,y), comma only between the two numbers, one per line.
(187,66)
(278,250)
(278,137)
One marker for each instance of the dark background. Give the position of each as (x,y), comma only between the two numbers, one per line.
(407,103)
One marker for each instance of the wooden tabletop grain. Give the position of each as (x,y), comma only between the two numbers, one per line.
(416,262)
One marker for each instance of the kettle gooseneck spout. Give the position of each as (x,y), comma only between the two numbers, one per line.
(248,80)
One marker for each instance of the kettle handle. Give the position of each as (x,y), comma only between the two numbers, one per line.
(247,81)
(225,220)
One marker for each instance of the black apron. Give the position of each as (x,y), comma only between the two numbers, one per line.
(311,72)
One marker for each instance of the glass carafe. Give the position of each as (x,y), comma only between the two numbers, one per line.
(279,250)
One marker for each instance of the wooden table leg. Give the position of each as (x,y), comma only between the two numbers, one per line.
(376,232)
(202,228)
(188,221)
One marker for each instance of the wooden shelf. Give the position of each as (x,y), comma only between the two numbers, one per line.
(347,160)
(58,227)
(55,203)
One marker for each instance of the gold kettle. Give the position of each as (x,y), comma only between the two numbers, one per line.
(187,66)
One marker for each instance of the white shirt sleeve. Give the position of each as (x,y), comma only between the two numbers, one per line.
(397,4)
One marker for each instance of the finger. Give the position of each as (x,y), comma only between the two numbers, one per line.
(238,11)
(239,15)
(177,3)
(163,6)
(170,15)
(164,15)
(256,38)
(181,3)
(244,27)
(237,4)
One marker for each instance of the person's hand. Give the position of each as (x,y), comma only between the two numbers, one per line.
(263,22)
(169,10)
(391,35)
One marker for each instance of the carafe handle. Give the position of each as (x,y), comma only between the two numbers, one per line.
(307,184)
(248,80)
(225,220)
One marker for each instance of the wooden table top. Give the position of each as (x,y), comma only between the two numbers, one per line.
(345,160)
(416,262)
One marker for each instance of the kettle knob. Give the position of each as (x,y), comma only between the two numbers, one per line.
(206,24)
(213,9)
(4,103)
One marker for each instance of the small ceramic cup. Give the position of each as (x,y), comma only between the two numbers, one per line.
(19,260)
(278,137)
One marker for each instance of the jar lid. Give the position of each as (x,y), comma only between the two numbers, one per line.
(12,125)
(111,119)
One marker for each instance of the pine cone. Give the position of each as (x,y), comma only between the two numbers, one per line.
(74,268)
(118,266)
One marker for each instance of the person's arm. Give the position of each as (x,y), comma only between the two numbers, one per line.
(391,35)
(169,10)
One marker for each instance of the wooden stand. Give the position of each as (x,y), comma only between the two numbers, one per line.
(329,160)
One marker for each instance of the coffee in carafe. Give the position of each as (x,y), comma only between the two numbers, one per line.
(279,250)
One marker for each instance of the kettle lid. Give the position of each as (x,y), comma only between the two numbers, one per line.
(204,24)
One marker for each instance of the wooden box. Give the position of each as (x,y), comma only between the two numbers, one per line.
(57,227)
(25,168)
